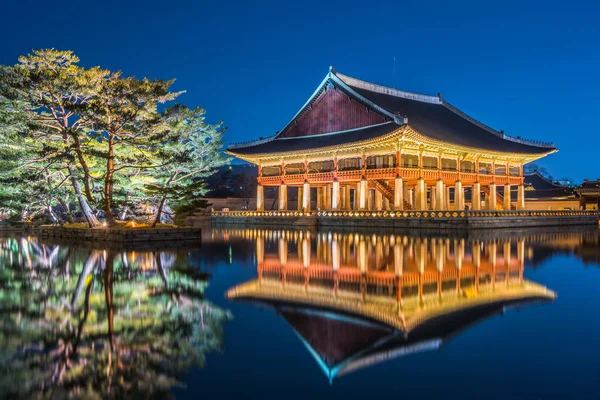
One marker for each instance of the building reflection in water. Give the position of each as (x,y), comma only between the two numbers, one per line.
(82,322)
(358,299)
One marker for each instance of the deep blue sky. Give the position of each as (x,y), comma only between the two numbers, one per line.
(529,68)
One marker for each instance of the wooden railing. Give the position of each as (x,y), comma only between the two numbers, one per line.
(407,174)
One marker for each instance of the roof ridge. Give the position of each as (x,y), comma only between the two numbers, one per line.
(373,87)
(538,173)
(493,131)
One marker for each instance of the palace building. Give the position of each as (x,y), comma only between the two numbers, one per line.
(355,145)
(589,192)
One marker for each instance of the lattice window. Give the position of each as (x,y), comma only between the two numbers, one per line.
(449,164)
(485,168)
(430,162)
(514,171)
(410,160)
(349,164)
(500,169)
(294,169)
(467,166)
(320,166)
(271,170)
(382,161)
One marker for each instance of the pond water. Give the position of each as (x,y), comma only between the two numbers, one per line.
(254,312)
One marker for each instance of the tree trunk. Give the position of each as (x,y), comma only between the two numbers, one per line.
(159,211)
(67,209)
(83,204)
(86,169)
(108,183)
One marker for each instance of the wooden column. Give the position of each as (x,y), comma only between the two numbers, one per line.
(378,200)
(299,198)
(347,196)
(260,198)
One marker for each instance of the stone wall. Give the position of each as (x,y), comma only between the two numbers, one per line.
(437,221)
(120,235)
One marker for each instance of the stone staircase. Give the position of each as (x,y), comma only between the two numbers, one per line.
(388,192)
(499,199)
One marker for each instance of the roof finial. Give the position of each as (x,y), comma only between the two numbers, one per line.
(332,69)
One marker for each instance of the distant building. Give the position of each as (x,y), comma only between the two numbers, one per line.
(589,192)
(543,194)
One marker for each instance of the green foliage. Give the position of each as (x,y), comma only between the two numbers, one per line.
(91,135)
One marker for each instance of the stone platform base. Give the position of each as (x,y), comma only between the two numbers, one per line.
(433,220)
(120,235)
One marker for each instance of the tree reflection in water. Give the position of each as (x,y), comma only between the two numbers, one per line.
(100,323)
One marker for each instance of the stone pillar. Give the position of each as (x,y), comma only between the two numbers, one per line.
(299,198)
(411,196)
(476,196)
(459,196)
(507,197)
(447,197)
(432,198)
(306,197)
(342,197)
(370,200)
(398,194)
(378,200)
(439,192)
(363,191)
(327,198)
(335,196)
(491,203)
(357,196)
(420,195)
(347,197)
(521,197)
(283,198)
(260,198)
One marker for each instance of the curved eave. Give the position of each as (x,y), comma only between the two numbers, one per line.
(486,153)
(387,313)
(254,158)
(405,131)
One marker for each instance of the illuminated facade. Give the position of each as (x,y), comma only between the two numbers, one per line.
(355,145)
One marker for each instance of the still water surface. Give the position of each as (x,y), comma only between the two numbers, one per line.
(304,314)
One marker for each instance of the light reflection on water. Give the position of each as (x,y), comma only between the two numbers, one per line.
(78,321)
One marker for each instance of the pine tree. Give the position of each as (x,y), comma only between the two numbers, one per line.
(190,152)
